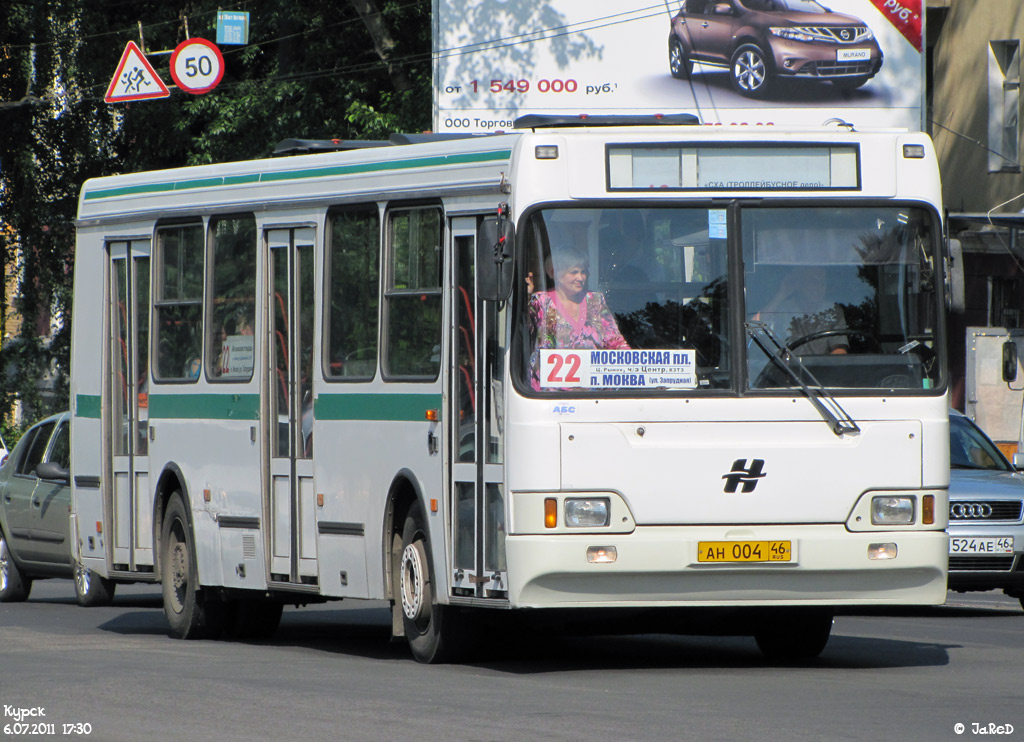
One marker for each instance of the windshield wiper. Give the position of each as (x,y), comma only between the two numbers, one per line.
(828,407)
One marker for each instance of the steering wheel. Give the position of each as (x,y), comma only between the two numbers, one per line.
(835,332)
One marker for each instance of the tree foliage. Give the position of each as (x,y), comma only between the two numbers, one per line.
(316,69)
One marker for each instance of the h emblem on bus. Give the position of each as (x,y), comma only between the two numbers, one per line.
(741,474)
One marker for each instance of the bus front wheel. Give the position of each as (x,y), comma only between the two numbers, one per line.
(190,613)
(430,628)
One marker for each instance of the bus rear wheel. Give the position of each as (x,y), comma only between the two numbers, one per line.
(430,628)
(190,613)
(792,636)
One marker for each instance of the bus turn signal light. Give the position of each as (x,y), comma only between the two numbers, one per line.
(928,509)
(550,512)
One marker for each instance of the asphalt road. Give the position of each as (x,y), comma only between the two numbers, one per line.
(113,674)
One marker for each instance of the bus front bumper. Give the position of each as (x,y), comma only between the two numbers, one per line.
(659,566)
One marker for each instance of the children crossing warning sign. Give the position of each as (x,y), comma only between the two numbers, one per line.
(135,79)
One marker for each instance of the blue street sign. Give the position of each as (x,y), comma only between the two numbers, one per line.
(232,27)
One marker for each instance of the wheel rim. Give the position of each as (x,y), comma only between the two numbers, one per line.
(178,566)
(749,71)
(83,579)
(4,566)
(675,59)
(415,593)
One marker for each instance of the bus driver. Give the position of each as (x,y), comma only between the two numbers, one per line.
(803,315)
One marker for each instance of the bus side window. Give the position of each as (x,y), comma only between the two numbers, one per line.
(178,303)
(230,348)
(353,286)
(413,297)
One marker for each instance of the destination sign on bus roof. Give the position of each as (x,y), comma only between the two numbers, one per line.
(806,167)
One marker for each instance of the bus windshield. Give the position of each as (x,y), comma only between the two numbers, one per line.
(646,299)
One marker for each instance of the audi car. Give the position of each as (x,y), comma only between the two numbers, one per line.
(35,523)
(760,41)
(986,513)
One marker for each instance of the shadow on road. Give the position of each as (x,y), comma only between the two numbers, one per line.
(516,649)
(135,600)
(566,653)
(357,632)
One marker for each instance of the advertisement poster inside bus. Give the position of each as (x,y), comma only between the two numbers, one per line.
(785,62)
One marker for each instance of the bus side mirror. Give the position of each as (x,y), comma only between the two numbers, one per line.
(1009,361)
(495,256)
(955,294)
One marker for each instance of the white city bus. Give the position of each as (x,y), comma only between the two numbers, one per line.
(342,375)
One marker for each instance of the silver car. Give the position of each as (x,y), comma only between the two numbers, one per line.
(35,523)
(986,513)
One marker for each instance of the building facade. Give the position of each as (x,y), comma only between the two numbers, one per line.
(974,113)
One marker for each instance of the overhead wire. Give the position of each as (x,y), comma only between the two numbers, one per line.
(988,214)
(977,142)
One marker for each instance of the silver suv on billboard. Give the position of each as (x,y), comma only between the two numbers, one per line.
(761,41)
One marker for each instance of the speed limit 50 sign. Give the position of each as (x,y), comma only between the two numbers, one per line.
(197,66)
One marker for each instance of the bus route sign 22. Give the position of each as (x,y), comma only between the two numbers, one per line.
(617,369)
(197,66)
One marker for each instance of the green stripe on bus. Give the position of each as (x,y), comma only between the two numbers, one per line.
(239,179)
(395,407)
(320,172)
(87,405)
(204,406)
(375,406)
(373,167)
(129,190)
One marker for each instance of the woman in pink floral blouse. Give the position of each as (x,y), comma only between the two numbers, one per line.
(569,316)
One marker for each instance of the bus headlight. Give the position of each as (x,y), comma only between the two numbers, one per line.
(892,510)
(591,512)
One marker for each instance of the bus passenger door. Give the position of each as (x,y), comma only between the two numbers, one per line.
(476,430)
(129,515)
(289,420)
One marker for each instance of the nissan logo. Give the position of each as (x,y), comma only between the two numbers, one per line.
(846,34)
(961,510)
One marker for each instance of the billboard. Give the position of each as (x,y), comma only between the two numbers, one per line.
(726,61)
